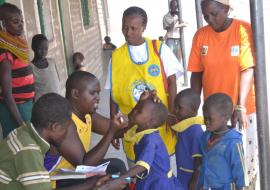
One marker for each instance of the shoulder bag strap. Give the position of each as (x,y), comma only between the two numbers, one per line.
(165,81)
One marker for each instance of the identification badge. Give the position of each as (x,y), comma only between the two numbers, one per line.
(204,50)
(235,51)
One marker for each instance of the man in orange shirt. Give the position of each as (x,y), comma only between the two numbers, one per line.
(221,60)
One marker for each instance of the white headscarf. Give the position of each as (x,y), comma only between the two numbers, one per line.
(224,2)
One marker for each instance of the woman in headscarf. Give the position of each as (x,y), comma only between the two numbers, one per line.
(221,60)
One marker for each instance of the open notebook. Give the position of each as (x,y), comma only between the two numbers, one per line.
(81,172)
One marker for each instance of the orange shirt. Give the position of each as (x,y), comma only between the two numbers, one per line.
(221,56)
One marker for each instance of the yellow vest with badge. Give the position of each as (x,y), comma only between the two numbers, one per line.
(129,80)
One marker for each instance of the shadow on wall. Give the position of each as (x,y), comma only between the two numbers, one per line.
(1,133)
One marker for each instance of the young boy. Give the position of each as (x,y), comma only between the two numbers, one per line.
(108,44)
(189,131)
(223,157)
(44,69)
(77,61)
(152,167)
(82,91)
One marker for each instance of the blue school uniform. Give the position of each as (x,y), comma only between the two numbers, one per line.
(223,163)
(189,132)
(151,153)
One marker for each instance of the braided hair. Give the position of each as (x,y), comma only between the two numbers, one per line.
(136,11)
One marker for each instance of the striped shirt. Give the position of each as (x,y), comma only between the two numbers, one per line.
(21,161)
(22,78)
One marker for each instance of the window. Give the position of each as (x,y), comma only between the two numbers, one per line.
(45,18)
(85,13)
(2,1)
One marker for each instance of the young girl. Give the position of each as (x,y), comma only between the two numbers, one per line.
(223,157)
(16,76)
(77,62)
(152,167)
(189,131)
(45,71)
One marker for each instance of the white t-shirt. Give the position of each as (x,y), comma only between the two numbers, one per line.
(139,54)
(46,80)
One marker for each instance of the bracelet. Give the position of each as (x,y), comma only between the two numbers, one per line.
(240,108)
(171,115)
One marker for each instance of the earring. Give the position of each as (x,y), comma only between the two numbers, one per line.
(2,27)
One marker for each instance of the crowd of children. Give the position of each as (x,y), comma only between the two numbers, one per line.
(59,134)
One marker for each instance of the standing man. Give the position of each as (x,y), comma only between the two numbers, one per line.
(171,25)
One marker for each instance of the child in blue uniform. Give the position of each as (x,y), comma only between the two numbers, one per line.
(223,158)
(189,132)
(152,167)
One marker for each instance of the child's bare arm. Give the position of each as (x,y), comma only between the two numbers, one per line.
(132,172)
(195,176)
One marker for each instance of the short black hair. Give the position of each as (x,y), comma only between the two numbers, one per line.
(50,108)
(191,96)
(77,54)
(136,11)
(107,39)
(171,2)
(76,81)
(7,8)
(220,102)
(158,112)
(37,39)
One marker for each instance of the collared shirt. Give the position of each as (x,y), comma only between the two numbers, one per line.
(21,160)
(169,23)
(189,132)
(151,154)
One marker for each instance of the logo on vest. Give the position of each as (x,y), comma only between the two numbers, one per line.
(153,70)
(138,87)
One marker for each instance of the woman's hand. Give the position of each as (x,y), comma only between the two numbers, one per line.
(239,116)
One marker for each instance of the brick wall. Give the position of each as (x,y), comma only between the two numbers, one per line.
(87,40)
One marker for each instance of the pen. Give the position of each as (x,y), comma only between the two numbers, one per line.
(115,176)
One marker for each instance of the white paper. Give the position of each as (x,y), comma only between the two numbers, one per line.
(86,169)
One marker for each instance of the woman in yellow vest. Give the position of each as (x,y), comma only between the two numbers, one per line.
(137,65)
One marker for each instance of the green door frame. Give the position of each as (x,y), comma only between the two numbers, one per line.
(69,69)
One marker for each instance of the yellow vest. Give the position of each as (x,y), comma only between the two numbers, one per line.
(84,132)
(129,79)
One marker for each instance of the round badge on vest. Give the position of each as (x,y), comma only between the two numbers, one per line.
(153,70)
